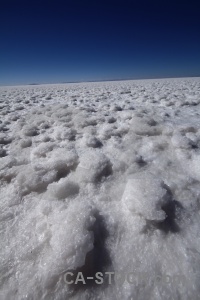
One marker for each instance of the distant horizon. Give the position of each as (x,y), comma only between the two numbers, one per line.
(103,80)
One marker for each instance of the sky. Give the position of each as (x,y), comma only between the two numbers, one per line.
(65,41)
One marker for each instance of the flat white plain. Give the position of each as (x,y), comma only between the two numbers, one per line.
(100,177)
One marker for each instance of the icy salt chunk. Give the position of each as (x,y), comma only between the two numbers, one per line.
(91,121)
(125,115)
(111,120)
(49,176)
(122,130)
(4,139)
(179,141)
(7,162)
(60,160)
(188,128)
(106,131)
(41,150)
(141,127)
(91,141)
(151,122)
(64,189)
(193,166)
(26,143)
(144,195)
(30,181)
(116,108)
(45,138)
(30,131)
(192,136)
(67,252)
(93,166)
(61,133)
(150,148)
(67,157)
(168,130)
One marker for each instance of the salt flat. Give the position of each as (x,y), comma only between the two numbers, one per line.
(100,177)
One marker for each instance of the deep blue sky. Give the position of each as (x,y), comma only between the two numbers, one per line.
(58,41)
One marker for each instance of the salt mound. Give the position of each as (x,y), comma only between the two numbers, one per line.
(144,195)
(93,166)
(63,189)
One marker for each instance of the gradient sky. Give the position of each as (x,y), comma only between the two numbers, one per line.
(59,41)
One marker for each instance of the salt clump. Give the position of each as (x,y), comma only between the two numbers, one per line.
(144,195)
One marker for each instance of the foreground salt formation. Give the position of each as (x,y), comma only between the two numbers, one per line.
(101,177)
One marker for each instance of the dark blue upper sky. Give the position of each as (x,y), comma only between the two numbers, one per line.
(58,41)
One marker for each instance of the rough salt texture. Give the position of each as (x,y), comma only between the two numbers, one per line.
(99,177)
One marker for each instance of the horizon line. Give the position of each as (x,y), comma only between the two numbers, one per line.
(100,80)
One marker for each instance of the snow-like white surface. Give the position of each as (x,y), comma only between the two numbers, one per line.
(100,177)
